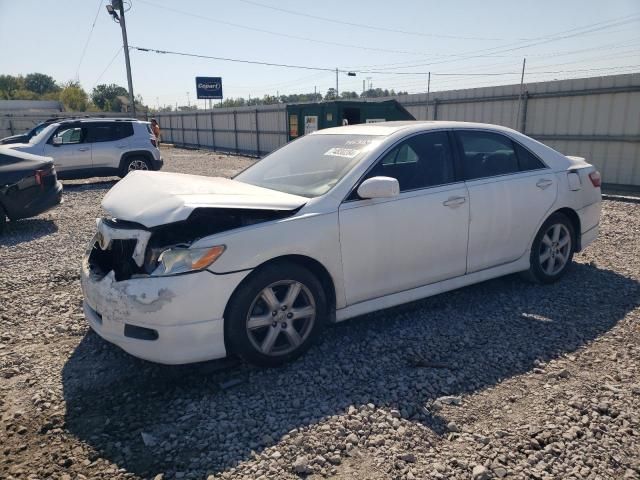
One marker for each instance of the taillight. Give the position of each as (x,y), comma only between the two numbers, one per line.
(153,142)
(595,178)
(40,174)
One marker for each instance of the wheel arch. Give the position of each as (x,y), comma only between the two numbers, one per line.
(136,153)
(311,264)
(574,218)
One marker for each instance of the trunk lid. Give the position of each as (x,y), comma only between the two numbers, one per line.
(158,198)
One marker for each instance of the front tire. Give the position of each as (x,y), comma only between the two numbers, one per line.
(134,163)
(275,315)
(552,250)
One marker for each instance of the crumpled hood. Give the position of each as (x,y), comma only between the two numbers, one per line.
(158,198)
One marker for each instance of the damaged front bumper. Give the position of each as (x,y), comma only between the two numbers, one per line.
(171,320)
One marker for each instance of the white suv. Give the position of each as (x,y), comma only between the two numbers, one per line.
(96,147)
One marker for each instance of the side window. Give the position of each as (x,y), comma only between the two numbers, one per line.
(68,135)
(122,130)
(100,133)
(527,160)
(487,154)
(109,132)
(421,161)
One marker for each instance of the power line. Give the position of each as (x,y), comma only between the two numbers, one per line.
(237,60)
(327,69)
(296,37)
(108,65)
(574,32)
(370,27)
(86,44)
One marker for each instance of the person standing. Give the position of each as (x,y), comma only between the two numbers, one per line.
(155,127)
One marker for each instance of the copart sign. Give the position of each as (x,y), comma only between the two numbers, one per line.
(209,87)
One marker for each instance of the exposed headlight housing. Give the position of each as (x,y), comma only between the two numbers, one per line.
(182,260)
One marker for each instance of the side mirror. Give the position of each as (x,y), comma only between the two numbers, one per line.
(379,187)
(57,140)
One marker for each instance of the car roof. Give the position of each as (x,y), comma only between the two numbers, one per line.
(389,128)
(92,120)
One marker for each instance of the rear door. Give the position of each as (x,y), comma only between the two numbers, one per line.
(510,192)
(108,141)
(71,152)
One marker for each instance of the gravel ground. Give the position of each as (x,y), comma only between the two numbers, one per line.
(498,380)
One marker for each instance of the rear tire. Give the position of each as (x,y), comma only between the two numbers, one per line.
(131,164)
(552,250)
(275,315)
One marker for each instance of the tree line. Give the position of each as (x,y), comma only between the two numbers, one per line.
(39,86)
(293,98)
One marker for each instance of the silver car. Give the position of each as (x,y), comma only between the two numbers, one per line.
(96,147)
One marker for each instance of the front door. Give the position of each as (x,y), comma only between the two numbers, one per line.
(69,149)
(510,192)
(419,237)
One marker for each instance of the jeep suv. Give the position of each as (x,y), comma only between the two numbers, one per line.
(96,147)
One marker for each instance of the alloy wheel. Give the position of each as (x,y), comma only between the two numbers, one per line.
(555,249)
(281,318)
(137,165)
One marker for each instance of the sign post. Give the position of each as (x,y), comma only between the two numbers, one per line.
(209,87)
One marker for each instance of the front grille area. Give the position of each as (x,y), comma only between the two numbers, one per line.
(117,257)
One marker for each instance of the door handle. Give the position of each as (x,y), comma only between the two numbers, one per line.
(83,149)
(544,183)
(454,202)
(121,146)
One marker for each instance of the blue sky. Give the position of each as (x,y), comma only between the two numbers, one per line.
(452,37)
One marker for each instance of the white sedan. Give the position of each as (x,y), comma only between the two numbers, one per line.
(333,225)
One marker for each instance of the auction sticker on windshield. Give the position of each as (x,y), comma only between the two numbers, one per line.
(355,147)
(342,152)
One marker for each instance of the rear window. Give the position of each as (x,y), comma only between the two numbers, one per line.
(527,160)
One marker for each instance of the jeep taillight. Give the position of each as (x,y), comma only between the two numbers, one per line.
(595,178)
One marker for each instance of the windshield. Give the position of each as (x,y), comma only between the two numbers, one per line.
(309,166)
(43,133)
(37,129)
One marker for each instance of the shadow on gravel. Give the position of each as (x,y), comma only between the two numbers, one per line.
(26,230)
(205,418)
(84,185)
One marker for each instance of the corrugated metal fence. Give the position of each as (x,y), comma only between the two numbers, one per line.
(597,118)
(248,131)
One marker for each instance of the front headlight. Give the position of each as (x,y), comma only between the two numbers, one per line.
(182,260)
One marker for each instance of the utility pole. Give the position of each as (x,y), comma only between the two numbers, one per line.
(517,122)
(111,9)
(119,4)
(337,91)
(363,80)
(188,100)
